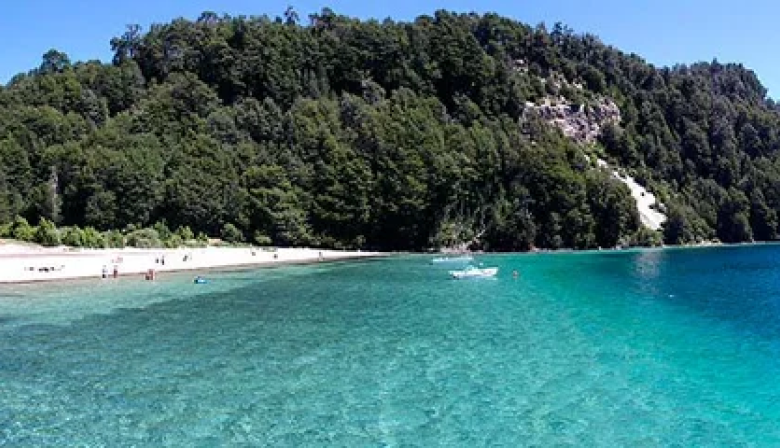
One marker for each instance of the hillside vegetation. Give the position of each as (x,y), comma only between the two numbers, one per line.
(332,131)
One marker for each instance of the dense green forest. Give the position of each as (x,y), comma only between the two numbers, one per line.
(331,131)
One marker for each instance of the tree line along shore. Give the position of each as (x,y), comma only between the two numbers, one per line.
(328,131)
(158,236)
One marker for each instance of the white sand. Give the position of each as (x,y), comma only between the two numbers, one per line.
(645,200)
(22,263)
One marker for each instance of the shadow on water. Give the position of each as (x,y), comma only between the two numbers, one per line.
(10,295)
(735,285)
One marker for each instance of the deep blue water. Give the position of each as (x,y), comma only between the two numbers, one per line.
(647,348)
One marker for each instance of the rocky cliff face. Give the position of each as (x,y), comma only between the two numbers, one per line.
(584,124)
(580,122)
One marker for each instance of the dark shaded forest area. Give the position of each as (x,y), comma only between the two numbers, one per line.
(331,131)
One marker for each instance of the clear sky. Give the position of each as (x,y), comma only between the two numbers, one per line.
(664,32)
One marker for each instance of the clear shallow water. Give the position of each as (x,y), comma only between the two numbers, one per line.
(657,348)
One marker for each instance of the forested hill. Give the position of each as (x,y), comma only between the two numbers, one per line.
(331,131)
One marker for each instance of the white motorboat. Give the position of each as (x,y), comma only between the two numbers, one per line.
(458,259)
(474,272)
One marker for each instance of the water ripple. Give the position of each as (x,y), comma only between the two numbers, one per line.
(663,348)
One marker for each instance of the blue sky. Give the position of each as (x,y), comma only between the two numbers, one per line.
(662,31)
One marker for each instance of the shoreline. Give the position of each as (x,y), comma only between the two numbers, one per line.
(26,265)
(612,250)
(666,247)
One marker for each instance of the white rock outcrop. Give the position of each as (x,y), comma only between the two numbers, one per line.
(583,123)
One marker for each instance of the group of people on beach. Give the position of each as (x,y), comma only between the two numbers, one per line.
(151,273)
(161,263)
(115,273)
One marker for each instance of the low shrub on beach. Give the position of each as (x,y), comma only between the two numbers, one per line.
(185,233)
(262,239)
(72,236)
(194,244)
(163,232)
(46,233)
(94,239)
(5,230)
(21,230)
(231,234)
(144,239)
(161,237)
(173,242)
(87,237)
(114,239)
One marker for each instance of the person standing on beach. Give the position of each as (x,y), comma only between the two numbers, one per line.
(116,271)
(105,271)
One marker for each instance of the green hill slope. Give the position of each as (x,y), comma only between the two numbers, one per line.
(386,135)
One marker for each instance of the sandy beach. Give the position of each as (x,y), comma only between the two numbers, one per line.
(23,264)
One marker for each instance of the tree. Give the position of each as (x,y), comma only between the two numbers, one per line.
(274,206)
(185,233)
(291,16)
(127,46)
(208,18)
(94,239)
(22,231)
(683,226)
(54,62)
(261,240)
(733,221)
(231,234)
(46,233)
(387,135)
(16,175)
(613,208)
(142,238)
(7,211)
(645,237)
(114,239)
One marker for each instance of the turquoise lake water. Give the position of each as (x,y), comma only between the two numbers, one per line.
(648,348)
